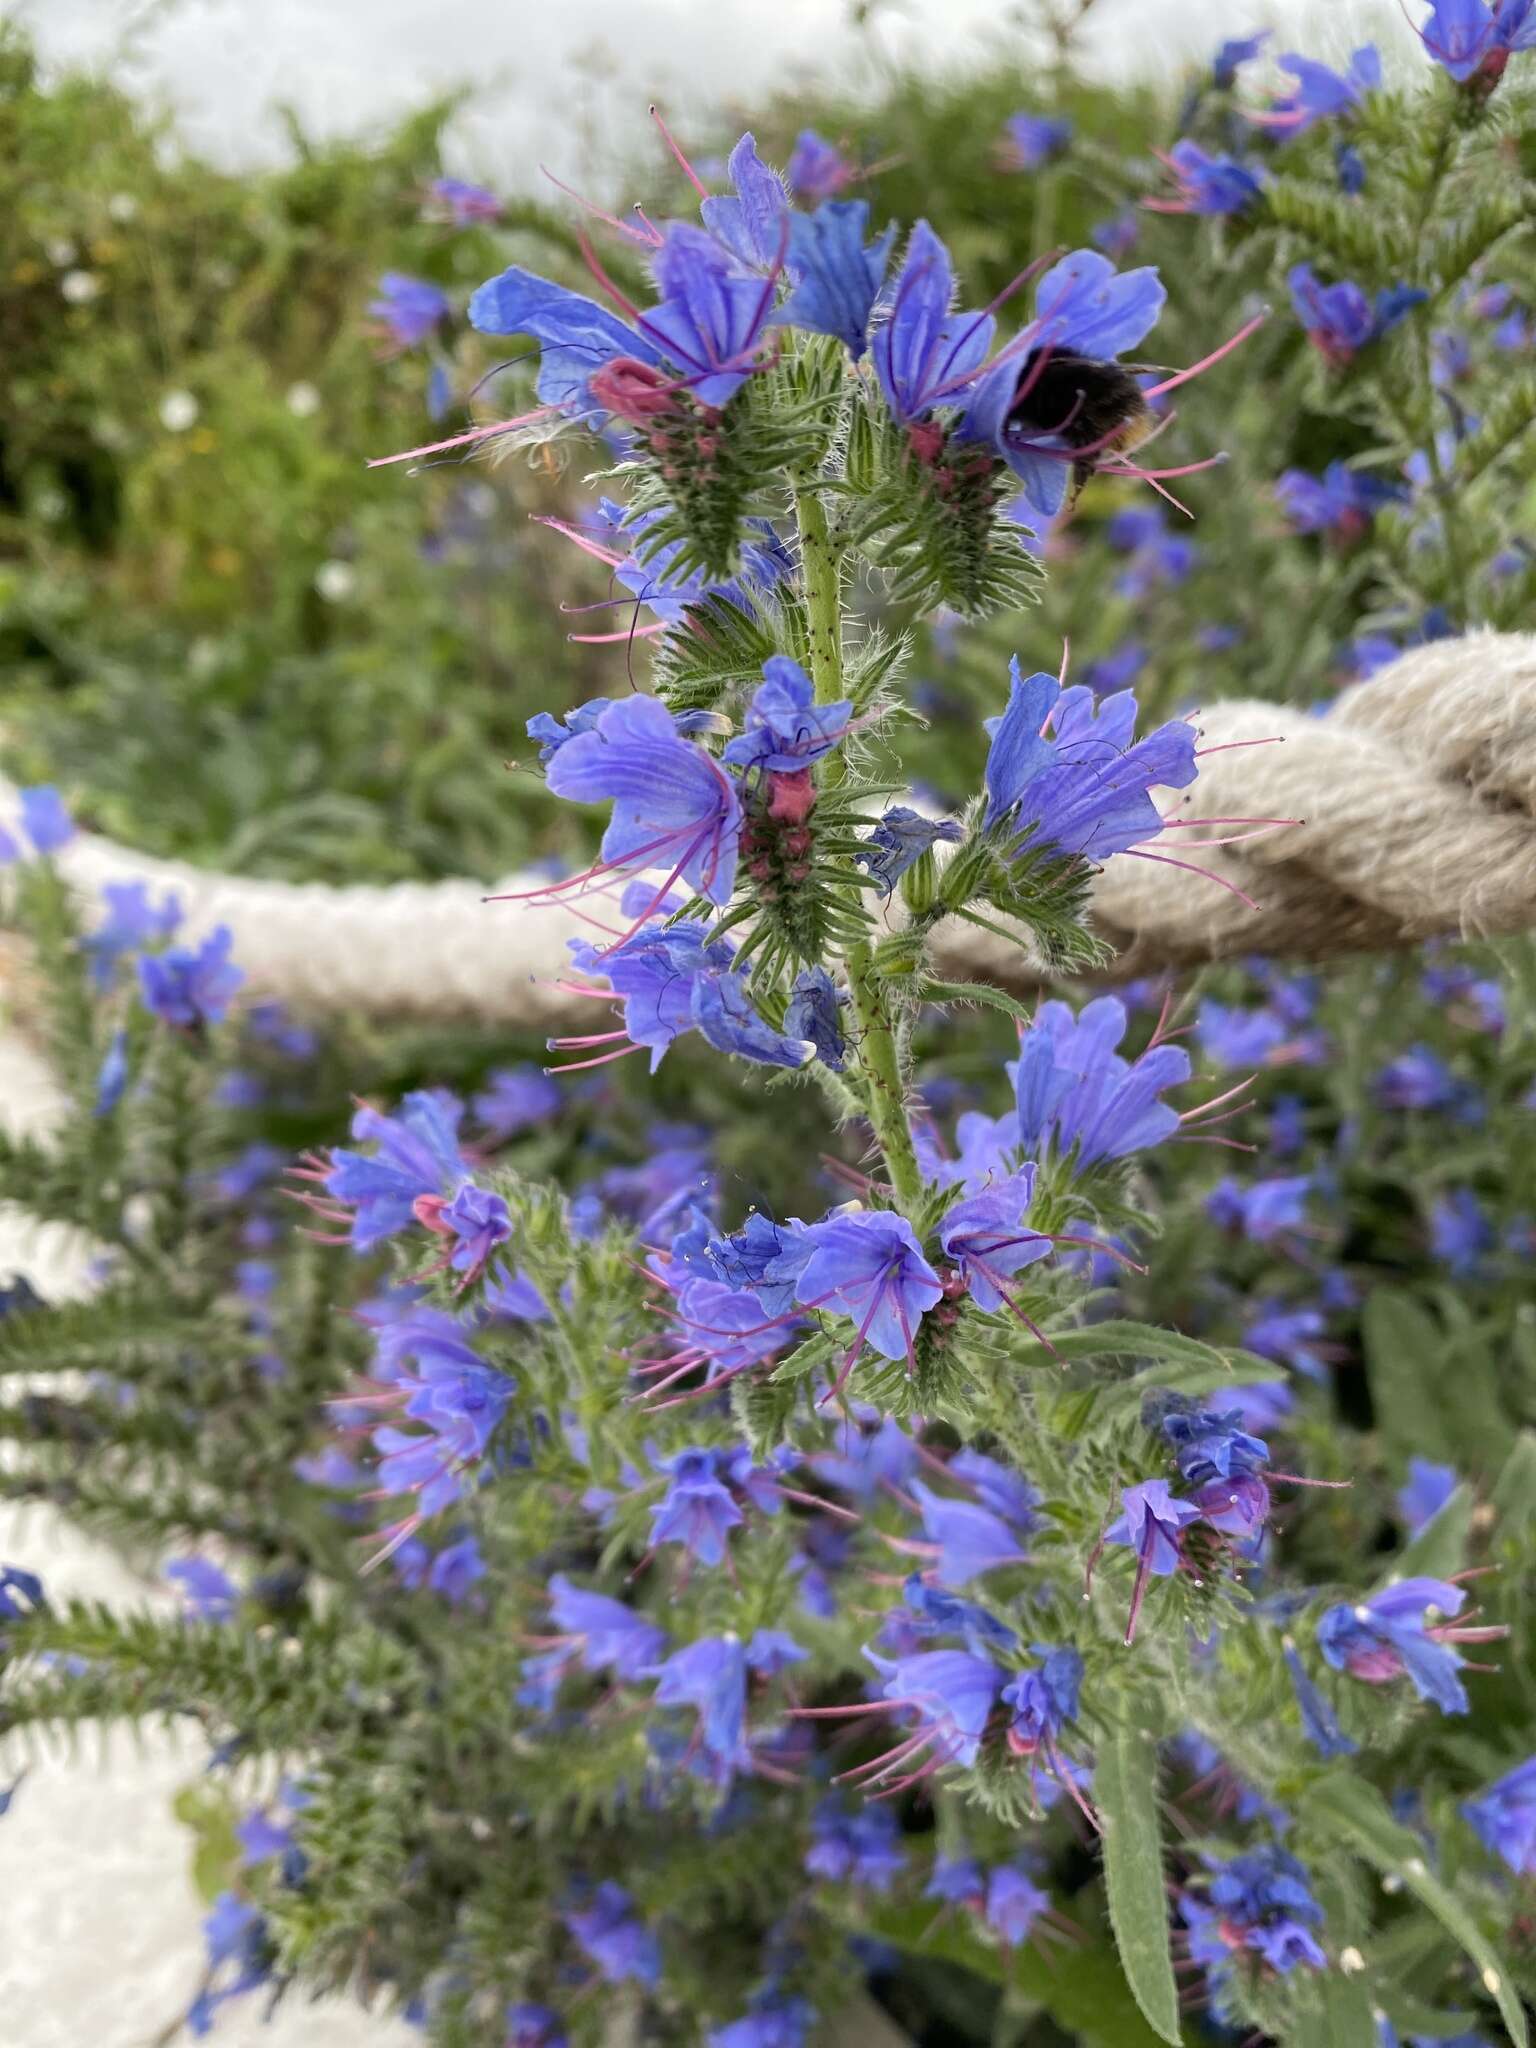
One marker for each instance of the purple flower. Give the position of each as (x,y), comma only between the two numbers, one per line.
(535,2026)
(1117,670)
(949,1693)
(1014,1903)
(868,1460)
(622,1947)
(923,353)
(970,1540)
(871,1268)
(1209,184)
(191,988)
(1350,168)
(1034,140)
(480,1221)
(785,729)
(131,922)
(1043,1700)
(21,1593)
(1321,93)
(958,1880)
(1289,1336)
(465,205)
(1265,1904)
(454,1394)
(455,1569)
(408,308)
(1118,235)
(836,273)
(855,1848)
(1076,1095)
(1152,1525)
(1004,1491)
(1505,1818)
(1407,1630)
(696,1510)
(1418,1079)
(513,1099)
(754,222)
(818,169)
(1428,1489)
(986,1237)
(44,819)
(417,1155)
(1342,501)
(813,1013)
(773,2022)
(602,1633)
(1460,1234)
(1469,38)
(112,1075)
(1083,790)
(1340,318)
(1263,1209)
(1233,54)
(1237,1507)
(1208,1444)
(210,1594)
(553,733)
(1084,309)
(1318,1720)
(901,838)
(1238,1038)
(673,806)
(711,1677)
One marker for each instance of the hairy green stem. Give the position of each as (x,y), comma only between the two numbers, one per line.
(879,1061)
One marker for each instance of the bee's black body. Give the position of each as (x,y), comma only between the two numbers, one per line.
(1081,401)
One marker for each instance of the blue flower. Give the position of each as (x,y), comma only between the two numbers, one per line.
(602,1633)
(1505,1818)
(1043,1700)
(1004,1491)
(617,1941)
(985,1235)
(1290,1336)
(1263,1210)
(1318,1720)
(785,729)
(929,1611)
(535,2026)
(112,1075)
(131,921)
(836,274)
(452,1392)
(696,1510)
(1350,168)
(1118,235)
(870,1268)
(1265,1904)
(1014,1903)
(1428,1489)
(417,1155)
(1238,1038)
(774,2022)
(21,1593)
(660,580)
(1405,1630)
(480,1221)
(924,354)
(409,309)
(958,1880)
(1342,501)
(863,1847)
(1234,53)
(1469,37)
(1035,140)
(754,222)
(1152,1525)
(1076,1095)
(211,1595)
(1084,789)
(1322,93)
(813,1013)
(553,733)
(1341,318)
(1084,308)
(970,1540)
(44,819)
(1209,184)
(191,988)
(818,169)
(455,1569)
(1208,1444)
(513,1099)
(901,838)
(951,1695)
(673,806)
(464,204)
(710,1676)
(1460,1234)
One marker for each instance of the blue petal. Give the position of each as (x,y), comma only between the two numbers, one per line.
(576,335)
(752,224)
(1086,305)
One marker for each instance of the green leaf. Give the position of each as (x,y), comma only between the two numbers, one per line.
(1082,1987)
(1352,1813)
(1514,1492)
(210,1819)
(1125,1791)
(1405,1354)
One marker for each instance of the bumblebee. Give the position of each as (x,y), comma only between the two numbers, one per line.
(1088,404)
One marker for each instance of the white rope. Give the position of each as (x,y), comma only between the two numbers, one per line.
(1417,790)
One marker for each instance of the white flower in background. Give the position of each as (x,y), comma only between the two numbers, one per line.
(61,252)
(79,287)
(178,411)
(122,207)
(335,581)
(303,401)
(50,505)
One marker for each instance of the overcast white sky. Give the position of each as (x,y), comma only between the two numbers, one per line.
(223,64)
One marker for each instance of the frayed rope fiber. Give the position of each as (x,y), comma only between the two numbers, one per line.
(1416,791)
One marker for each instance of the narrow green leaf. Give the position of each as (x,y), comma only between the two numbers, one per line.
(1405,1355)
(1353,1813)
(1347,2017)
(1125,1790)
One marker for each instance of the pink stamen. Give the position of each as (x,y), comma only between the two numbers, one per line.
(603,1060)
(462,440)
(652,240)
(1189,867)
(687,168)
(1183,376)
